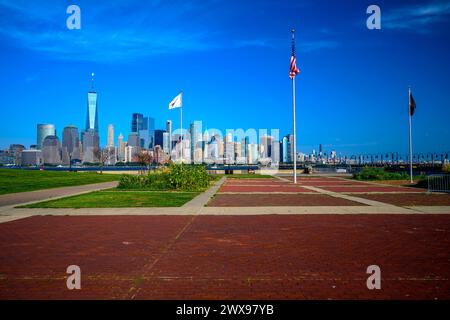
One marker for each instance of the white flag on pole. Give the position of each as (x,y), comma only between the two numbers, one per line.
(176,102)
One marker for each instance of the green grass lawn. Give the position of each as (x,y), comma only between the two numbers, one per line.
(16,180)
(118,199)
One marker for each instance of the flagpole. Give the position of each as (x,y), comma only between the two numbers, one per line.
(181,129)
(410,137)
(293,123)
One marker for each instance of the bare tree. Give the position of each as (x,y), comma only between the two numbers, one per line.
(103,156)
(144,159)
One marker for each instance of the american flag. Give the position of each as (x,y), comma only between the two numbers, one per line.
(293,70)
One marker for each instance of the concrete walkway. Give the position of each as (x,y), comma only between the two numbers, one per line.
(202,199)
(347,197)
(17,213)
(13,199)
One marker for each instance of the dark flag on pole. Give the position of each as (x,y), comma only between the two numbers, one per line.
(412,104)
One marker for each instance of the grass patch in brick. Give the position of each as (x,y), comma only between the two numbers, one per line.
(118,199)
(17,180)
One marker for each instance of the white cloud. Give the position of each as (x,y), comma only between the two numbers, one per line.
(416,18)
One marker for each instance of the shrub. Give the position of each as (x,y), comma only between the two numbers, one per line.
(446,168)
(173,177)
(188,177)
(379,174)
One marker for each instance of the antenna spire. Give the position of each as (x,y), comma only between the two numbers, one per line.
(92,80)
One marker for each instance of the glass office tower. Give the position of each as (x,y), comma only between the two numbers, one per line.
(145,127)
(44,130)
(92,112)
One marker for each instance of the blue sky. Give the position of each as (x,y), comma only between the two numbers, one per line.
(231,60)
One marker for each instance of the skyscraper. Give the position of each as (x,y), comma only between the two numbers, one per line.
(145,127)
(90,139)
(51,150)
(213,149)
(285,149)
(92,109)
(266,146)
(229,148)
(147,133)
(92,112)
(110,136)
(70,144)
(121,148)
(290,147)
(195,132)
(166,143)
(159,138)
(44,130)
(136,122)
(169,131)
(133,139)
(91,147)
(244,144)
(252,153)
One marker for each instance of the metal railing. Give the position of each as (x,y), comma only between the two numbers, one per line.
(439,183)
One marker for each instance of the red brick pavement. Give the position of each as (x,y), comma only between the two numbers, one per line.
(411,199)
(318,183)
(262,188)
(372,188)
(267,200)
(226,257)
(253,181)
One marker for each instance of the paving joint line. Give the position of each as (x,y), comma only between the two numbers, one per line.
(355,199)
(166,249)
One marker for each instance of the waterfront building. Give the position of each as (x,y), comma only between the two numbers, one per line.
(32,157)
(131,153)
(16,152)
(6,158)
(110,156)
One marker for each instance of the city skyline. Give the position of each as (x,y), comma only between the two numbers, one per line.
(352,86)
